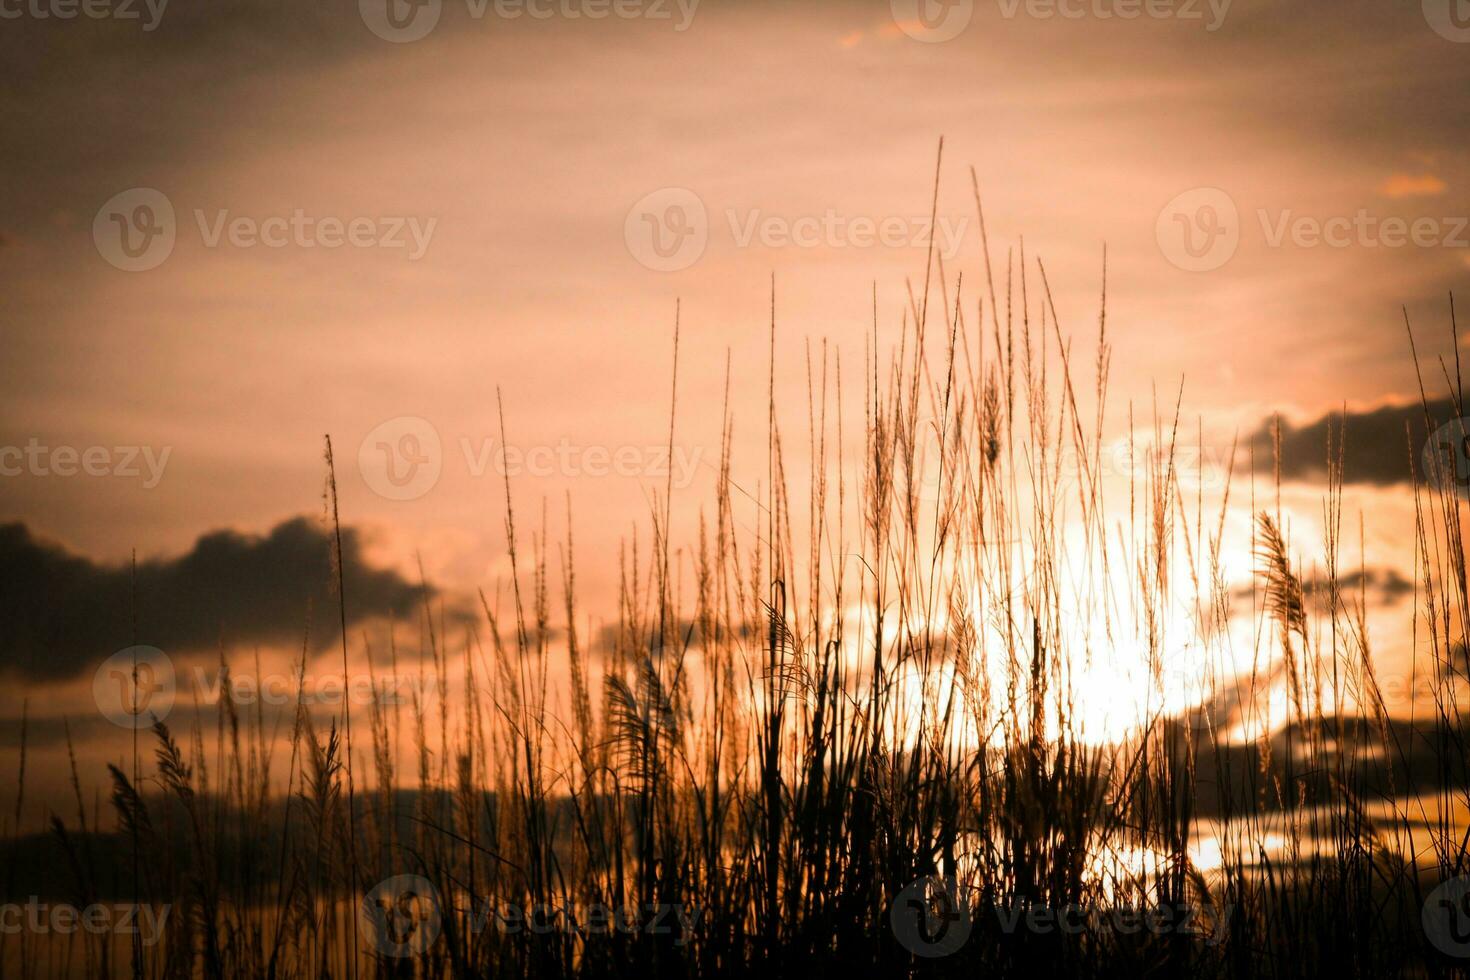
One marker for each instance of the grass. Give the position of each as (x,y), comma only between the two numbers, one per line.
(834,692)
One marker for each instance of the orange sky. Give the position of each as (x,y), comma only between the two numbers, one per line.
(523,153)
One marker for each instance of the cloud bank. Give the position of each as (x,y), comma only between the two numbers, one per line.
(64,612)
(1377,448)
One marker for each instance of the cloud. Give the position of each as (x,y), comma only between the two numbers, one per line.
(1382,585)
(64,612)
(1377,449)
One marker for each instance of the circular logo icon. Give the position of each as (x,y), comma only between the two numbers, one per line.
(1446,917)
(929,918)
(667,230)
(1446,457)
(134,687)
(400,21)
(400,916)
(135,230)
(401,459)
(932,21)
(1449,18)
(1199,230)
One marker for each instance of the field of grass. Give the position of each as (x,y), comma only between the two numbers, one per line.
(840,733)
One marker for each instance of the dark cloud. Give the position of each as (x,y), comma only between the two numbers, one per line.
(63,612)
(1412,762)
(1377,447)
(1383,585)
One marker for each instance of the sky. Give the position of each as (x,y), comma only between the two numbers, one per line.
(228,230)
